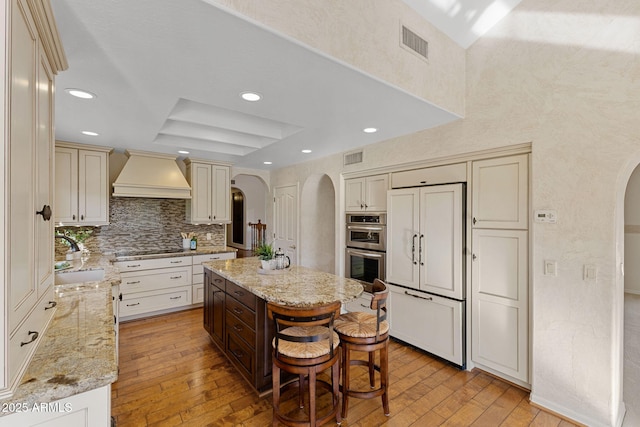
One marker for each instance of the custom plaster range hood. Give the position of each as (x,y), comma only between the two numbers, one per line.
(151,175)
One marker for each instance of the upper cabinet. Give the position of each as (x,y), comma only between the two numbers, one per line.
(368,194)
(31,56)
(500,193)
(81,182)
(210,192)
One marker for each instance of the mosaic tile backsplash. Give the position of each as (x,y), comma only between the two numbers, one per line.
(141,224)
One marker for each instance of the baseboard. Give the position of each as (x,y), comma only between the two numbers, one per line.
(569,414)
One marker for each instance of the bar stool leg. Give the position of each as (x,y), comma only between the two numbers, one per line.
(301,391)
(275,373)
(346,364)
(312,397)
(335,382)
(372,370)
(384,376)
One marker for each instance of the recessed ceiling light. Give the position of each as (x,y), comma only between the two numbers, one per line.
(89,133)
(369,130)
(268,163)
(79,93)
(306,151)
(251,96)
(183,152)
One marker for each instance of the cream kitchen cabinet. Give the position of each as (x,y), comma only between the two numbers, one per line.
(82,176)
(27,232)
(210,192)
(154,286)
(366,194)
(501,193)
(197,277)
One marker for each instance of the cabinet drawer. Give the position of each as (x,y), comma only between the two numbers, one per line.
(140,281)
(362,303)
(240,328)
(218,281)
(430,176)
(241,355)
(242,312)
(36,321)
(197,279)
(197,294)
(150,264)
(242,295)
(146,302)
(199,259)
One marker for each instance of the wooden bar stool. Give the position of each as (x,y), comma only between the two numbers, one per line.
(305,344)
(369,333)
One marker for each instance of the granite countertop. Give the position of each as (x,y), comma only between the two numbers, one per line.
(295,286)
(78,350)
(176,253)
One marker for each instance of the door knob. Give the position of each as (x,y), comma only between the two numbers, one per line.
(292,247)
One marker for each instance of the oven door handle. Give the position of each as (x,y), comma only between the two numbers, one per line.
(365,254)
(363,228)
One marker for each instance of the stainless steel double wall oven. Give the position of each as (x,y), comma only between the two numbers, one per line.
(366,246)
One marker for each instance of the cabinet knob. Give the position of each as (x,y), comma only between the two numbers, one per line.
(474,220)
(45,212)
(82,217)
(474,257)
(73,217)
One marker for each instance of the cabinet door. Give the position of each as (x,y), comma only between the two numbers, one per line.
(93,197)
(441,240)
(375,196)
(354,191)
(20,204)
(218,316)
(429,322)
(500,193)
(201,192)
(500,301)
(66,186)
(208,302)
(221,185)
(403,237)
(44,173)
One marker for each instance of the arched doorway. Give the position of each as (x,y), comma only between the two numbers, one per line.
(249,197)
(318,224)
(631,342)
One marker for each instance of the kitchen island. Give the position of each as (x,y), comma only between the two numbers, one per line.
(235,313)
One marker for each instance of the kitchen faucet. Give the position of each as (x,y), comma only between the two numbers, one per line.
(72,243)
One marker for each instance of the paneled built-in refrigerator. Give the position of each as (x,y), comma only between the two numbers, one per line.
(426,268)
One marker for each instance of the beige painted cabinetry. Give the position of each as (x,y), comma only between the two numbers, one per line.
(82,176)
(31,55)
(499,269)
(198,273)
(210,192)
(367,194)
(154,286)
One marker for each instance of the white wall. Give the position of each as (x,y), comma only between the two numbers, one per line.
(566,77)
(632,234)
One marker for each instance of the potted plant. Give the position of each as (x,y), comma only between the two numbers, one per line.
(265,253)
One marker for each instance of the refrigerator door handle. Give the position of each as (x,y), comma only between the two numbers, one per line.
(413,249)
(420,250)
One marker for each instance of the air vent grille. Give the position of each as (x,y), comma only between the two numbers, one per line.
(352,158)
(414,42)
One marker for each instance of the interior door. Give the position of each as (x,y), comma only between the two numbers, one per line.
(285,232)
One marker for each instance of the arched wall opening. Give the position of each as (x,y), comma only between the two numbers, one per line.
(318,224)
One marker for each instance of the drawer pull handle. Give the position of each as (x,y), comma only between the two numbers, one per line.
(217,280)
(238,327)
(176,277)
(133,283)
(34,336)
(364,305)
(239,293)
(52,304)
(237,354)
(418,296)
(237,310)
(132,305)
(176,262)
(133,265)
(176,297)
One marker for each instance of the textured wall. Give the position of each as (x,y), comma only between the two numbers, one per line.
(146,224)
(566,77)
(632,235)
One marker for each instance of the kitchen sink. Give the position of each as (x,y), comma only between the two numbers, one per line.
(78,276)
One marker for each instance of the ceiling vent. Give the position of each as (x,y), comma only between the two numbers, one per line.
(414,43)
(353,158)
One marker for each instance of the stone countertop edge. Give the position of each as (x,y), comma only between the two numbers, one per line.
(297,286)
(180,252)
(78,350)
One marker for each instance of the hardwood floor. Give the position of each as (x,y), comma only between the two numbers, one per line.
(172,375)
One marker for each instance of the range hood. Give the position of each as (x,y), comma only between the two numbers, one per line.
(151,175)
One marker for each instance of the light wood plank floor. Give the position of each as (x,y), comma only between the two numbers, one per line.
(172,375)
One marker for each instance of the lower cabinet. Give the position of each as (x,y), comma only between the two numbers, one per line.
(429,322)
(238,324)
(362,303)
(197,275)
(89,409)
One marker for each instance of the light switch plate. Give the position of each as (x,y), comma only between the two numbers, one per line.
(590,272)
(550,267)
(545,215)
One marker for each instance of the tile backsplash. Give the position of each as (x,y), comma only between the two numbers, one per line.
(140,224)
